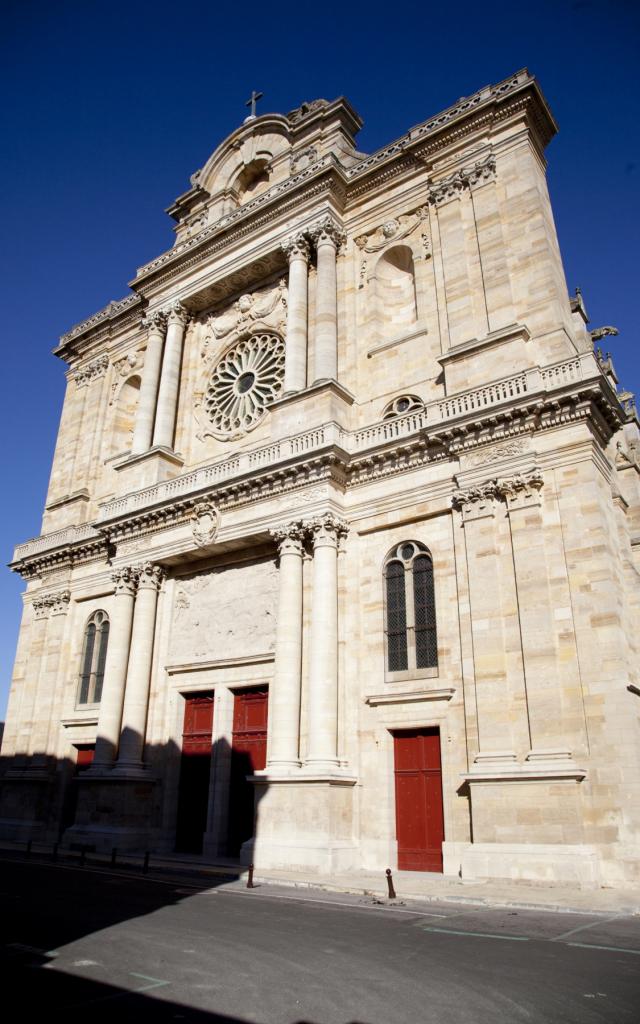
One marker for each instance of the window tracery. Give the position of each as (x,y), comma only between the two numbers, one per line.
(94,655)
(411,647)
(243,383)
(401,406)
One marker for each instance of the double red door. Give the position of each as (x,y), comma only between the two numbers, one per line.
(248,755)
(419,813)
(195,770)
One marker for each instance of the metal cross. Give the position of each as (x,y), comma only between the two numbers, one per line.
(255,96)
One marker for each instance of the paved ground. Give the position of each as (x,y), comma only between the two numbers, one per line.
(121,948)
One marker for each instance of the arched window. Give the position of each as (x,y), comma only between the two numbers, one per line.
(94,655)
(410,612)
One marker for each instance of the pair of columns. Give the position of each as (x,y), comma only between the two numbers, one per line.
(324,533)
(327,238)
(127,675)
(156,417)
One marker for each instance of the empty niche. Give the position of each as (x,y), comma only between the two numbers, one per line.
(126,406)
(395,290)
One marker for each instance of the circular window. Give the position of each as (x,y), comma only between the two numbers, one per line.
(406,551)
(245,381)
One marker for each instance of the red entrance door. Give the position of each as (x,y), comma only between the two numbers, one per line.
(195,769)
(248,754)
(419,815)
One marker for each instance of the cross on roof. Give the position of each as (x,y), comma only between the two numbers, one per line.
(255,96)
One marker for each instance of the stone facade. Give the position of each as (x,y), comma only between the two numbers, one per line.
(344,361)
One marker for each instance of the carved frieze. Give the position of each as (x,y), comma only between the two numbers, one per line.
(498,452)
(265,307)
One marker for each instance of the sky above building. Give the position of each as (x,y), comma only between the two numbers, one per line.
(109,106)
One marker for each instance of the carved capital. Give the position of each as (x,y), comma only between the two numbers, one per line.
(96,368)
(57,603)
(150,576)
(125,581)
(476,502)
(327,530)
(177,314)
(41,606)
(156,322)
(522,490)
(327,232)
(466,177)
(290,538)
(296,248)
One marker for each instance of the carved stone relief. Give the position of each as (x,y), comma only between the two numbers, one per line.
(225,612)
(391,232)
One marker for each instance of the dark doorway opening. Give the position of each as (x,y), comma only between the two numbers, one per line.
(248,755)
(195,771)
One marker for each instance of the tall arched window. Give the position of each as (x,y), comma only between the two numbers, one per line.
(410,612)
(94,655)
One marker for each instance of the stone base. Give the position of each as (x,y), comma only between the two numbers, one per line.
(303,822)
(530,862)
(322,402)
(104,801)
(147,468)
(25,803)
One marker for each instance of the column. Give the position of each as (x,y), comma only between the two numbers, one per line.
(284,699)
(323,672)
(136,698)
(156,324)
(115,670)
(327,237)
(165,425)
(295,368)
(47,708)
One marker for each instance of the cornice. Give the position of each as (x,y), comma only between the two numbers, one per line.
(544,399)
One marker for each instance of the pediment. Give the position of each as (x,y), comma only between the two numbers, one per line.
(243,165)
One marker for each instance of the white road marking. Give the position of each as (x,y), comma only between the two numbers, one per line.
(584,927)
(476,935)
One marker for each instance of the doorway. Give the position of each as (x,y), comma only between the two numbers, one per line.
(248,755)
(419,810)
(195,770)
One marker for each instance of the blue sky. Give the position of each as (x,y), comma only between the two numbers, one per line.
(110,106)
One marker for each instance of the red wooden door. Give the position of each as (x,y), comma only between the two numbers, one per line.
(419,814)
(248,754)
(195,769)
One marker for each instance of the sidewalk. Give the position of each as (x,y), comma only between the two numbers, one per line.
(409,885)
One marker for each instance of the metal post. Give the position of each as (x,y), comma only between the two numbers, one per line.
(29,847)
(114,854)
(55,852)
(83,855)
(250,884)
(392,891)
(145,866)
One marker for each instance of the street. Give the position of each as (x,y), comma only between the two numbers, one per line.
(124,948)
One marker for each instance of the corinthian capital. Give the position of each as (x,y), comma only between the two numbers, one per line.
(290,538)
(149,576)
(327,530)
(296,247)
(326,231)
(125,580)
(521,490)
(476,502)
(176,313)
(155,321)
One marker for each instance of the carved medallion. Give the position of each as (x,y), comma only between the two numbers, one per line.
(204,523)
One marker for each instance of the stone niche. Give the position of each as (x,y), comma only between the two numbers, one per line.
(227,611)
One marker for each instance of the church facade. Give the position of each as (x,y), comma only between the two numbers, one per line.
(338,566)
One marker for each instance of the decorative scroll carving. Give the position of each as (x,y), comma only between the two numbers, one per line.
(177,314)
(204,523)
(476,502)
(302,158)
(498,452)
(519,491)
(265,307)
(296,247)
(327,230)
(326,529)
(393,230)
(522,490)
(156,321)
(92,371)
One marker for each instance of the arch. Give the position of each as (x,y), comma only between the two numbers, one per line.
(94,655)
(253,179)
(402,406)
(395,289)
(125,415)
(411,640)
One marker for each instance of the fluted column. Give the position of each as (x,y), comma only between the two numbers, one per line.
(115,670)
(284,699)
(177,318)
(327,237)
(295,367)
(136,698)
(323,673)
(156,324)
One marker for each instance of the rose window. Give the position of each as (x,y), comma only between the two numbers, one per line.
(245,381)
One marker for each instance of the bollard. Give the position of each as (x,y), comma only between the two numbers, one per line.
(392,891)
(83,855)
(55,852)
(145,866)
(250,884)
(29,842)
(114,854)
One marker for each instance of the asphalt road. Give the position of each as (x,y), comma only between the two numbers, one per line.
(93,945)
